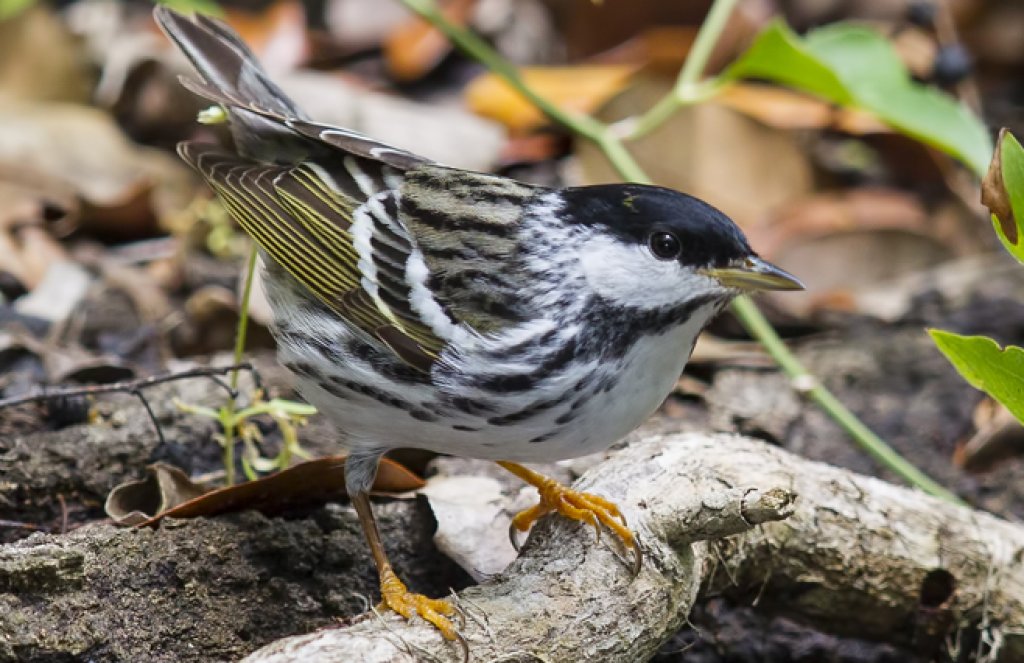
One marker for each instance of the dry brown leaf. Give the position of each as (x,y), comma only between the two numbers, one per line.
(787,109)
(998,436)
(40,60)
(581,89)
(164,487)
(741,166)
(312,482)
(449,134)
(277,34)
(661,48)
(994,195)
(31,209)
(416,47)
(122,185)
(826,237)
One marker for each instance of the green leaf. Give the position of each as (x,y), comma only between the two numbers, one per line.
(996,371)
(1002,192)
(10,8)
(208,7)
(854,66)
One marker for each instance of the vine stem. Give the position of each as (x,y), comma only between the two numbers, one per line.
(687,90)
(227,413)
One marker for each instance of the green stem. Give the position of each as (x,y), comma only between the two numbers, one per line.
(243,313)
(228,412)
(479,50)
(758,327)
(687,90)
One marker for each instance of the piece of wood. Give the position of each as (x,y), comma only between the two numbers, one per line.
(843,552)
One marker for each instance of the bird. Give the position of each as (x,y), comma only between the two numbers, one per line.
(465,313)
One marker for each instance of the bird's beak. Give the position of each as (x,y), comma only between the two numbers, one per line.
(754,274)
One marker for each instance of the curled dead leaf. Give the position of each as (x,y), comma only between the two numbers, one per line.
(994,195)
(312,482)
(164,487)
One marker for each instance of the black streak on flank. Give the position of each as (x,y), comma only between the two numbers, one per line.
(554,363)
(526,413)
(338,387)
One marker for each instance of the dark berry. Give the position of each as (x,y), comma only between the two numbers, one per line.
(921,13)
(952,65)
(68,410)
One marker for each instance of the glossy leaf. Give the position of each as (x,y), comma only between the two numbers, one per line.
(855,66)
(999,372)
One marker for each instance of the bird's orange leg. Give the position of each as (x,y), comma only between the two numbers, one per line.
(585,507)
(394,594)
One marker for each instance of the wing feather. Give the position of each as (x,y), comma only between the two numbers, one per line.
(305,226)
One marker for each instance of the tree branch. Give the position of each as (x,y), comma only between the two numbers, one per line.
(853,554)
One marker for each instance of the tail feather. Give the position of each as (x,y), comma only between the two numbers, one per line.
(225,63)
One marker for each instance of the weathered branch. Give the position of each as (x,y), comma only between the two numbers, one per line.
(854,555)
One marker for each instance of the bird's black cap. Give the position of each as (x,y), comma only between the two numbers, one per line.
(633,211)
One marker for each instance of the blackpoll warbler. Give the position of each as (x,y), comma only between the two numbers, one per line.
(469,314)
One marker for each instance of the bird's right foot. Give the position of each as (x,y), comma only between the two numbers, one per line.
(397,597)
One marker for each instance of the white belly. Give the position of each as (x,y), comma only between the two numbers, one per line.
(636,385)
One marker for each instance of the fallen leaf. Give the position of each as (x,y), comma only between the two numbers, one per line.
(662,48)
(472,523)
(998,436)
(740,165)
(58,294)
(450,135)
(164,487)
(416,47)
(311,482)
(787,109)
(276,34)
(40,59)
(825,237)
(124,188)
(581,89)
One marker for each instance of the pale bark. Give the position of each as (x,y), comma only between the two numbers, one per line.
(844,552)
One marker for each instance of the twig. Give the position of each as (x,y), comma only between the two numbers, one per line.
(135,387)
(129,386)
(687,90)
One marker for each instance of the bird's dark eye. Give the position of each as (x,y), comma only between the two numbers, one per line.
(664,245)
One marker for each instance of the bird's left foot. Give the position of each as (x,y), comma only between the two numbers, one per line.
(576,505)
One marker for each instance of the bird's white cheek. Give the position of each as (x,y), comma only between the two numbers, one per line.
(631,276)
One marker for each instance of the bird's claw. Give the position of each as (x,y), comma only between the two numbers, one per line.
(396,596)
(584,507)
